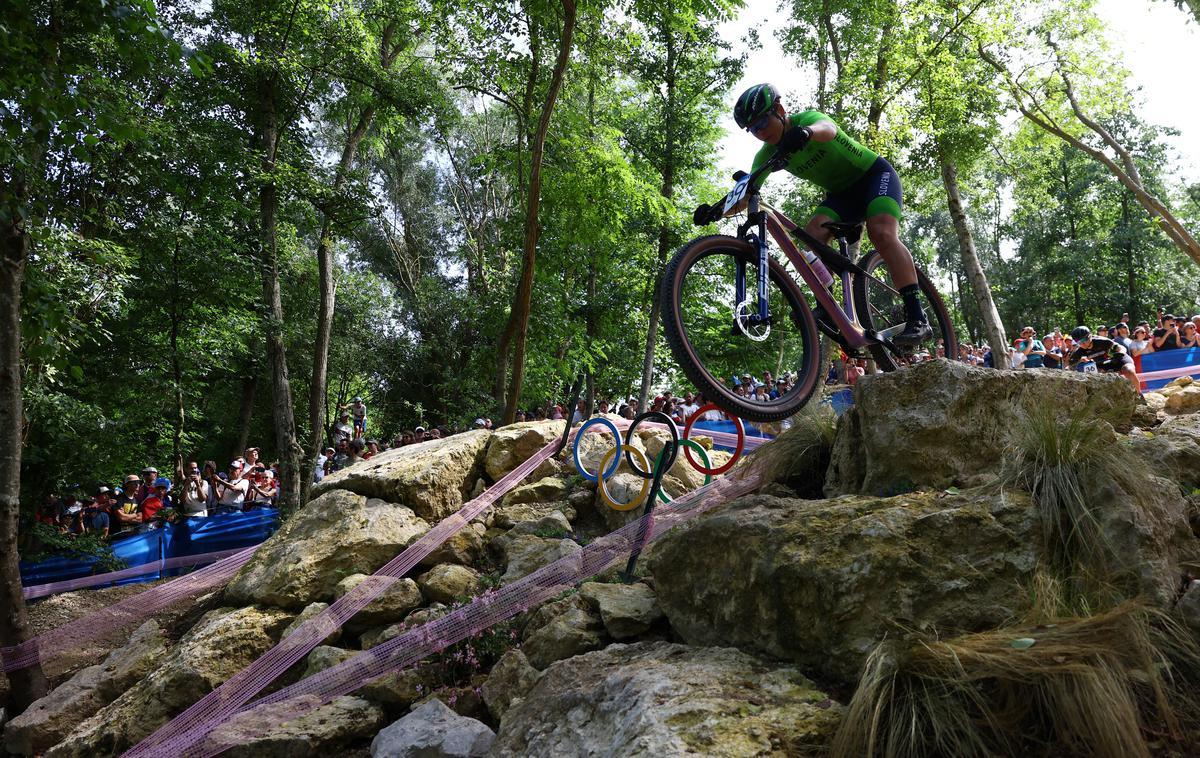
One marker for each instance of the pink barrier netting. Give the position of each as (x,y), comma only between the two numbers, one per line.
(248,682)
(219,721)
(69,585)
(71,635)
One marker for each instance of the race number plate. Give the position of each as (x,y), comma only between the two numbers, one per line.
(736,194)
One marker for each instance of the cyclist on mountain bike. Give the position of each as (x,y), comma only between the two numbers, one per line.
(1109,356)
(859,185)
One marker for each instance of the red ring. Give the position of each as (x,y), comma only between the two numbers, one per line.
(737,451)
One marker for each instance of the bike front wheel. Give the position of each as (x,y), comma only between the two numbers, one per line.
(881,310)
(715,342)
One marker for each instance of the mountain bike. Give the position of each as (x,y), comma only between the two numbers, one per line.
(720,328)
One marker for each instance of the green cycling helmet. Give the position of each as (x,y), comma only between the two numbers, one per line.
(753,103)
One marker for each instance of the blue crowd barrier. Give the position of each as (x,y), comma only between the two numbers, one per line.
(191,536)
(729,427)
(1166,361)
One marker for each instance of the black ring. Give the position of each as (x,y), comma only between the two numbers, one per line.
(674,439)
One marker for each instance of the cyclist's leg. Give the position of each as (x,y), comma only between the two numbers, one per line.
(883,229)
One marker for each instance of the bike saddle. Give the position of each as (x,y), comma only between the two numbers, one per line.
(850,232)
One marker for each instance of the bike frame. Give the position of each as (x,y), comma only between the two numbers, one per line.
(767,219)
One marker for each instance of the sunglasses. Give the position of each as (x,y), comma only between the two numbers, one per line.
(760,123)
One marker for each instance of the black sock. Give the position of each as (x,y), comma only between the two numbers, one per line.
(912,304)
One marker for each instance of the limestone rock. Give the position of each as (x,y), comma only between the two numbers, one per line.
(541,491)
(434,478)
(392,605)
(336,534)
(658,699)
(552,525)
(222,643)
(627,610)
(432,729)
(311,610)
(508,516)
(47,720)
(323,657)
(944,423)
(397,689)
(320,732)
(382,634)
(510,680)
(512,445)
(464,547)
(1186,400)
(448,582)
(1172,450)
(526,553)
(819,582)
(562,629)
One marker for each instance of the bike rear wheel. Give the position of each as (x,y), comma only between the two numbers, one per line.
(697,292)
(880,310)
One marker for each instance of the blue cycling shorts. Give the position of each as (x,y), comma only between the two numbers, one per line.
(875,192)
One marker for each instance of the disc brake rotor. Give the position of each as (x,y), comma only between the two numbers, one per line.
(741,318)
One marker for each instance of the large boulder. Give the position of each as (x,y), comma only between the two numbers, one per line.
(526,553)
(512,445)
(943,423)
(434,478)
(48,720)
(335,535)
(222,643)
(1172,450)
(658,699)
(820,582)
(433,730)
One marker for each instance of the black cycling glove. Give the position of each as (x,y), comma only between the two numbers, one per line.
(705,214)
(795,139)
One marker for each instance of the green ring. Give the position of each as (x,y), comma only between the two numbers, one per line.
(694,446)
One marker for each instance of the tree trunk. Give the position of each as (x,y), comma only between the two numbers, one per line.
(176,368)
(328,296)
(246,407)
(993,328)
(593,331)
(664,233)
(26,684)
(286,444)
(524,294)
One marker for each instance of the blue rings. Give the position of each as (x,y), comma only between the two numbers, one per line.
(616,458)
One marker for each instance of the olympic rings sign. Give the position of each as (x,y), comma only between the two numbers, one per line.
(612,459)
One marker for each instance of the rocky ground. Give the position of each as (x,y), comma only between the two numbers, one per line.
(749,628)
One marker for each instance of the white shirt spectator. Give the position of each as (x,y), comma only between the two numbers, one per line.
(195,498)
(234,493)
(319,468)
(689,409)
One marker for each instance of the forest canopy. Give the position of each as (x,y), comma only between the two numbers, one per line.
(224,219)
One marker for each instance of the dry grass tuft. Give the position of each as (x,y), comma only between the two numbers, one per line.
(1113,685)
(1063,464)
(799,457)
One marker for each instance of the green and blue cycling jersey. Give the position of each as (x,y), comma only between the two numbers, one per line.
(857,181)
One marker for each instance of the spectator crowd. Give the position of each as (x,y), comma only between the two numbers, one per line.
(145,501)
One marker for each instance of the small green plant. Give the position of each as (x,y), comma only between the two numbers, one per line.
(82,546)
(550,532)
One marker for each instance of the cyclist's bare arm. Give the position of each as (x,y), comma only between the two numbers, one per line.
(822,131)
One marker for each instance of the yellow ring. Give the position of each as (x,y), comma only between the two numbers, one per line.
(607,498)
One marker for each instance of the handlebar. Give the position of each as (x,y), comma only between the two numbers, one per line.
(794,140)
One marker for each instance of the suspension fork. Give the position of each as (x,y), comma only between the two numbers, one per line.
(757,218)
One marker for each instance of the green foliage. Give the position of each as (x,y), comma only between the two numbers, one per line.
(77,546)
